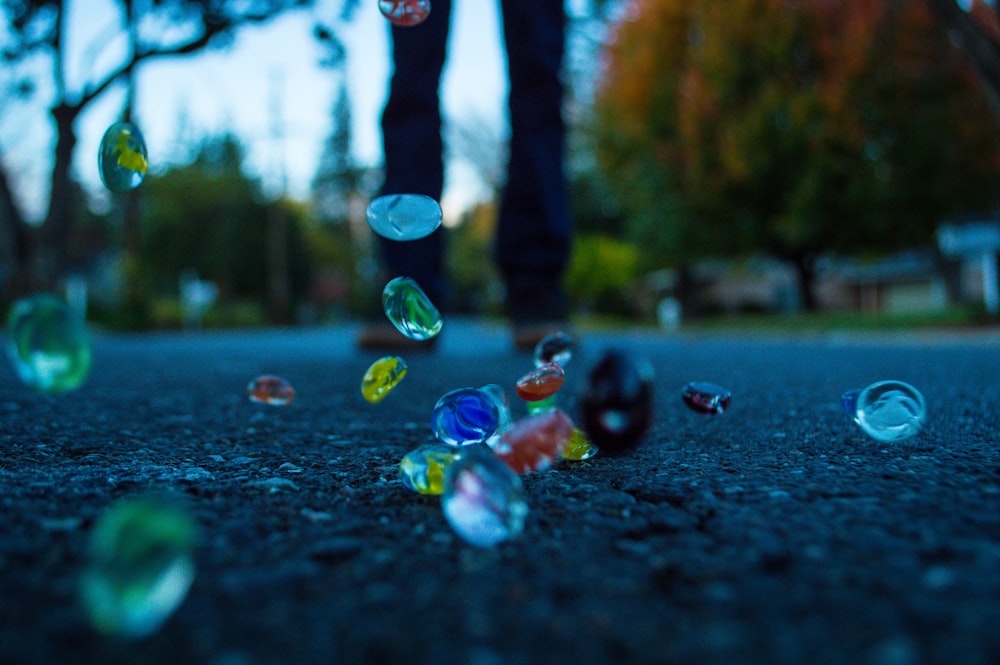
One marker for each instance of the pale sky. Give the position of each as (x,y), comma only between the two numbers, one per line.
(219,89)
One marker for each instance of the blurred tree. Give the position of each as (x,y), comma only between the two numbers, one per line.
(210,218)
(340,188)
(791,127)
(157,29)
(975,26)
(337,177)
(472,275)
(601,271)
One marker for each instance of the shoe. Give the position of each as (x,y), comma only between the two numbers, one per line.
(377,336)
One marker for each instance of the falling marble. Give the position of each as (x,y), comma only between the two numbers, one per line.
(48,344)
(410,310)
(405,13)
(121,158)
(554,348)
(139,566)
(404,216)
(381,377)
(483,499)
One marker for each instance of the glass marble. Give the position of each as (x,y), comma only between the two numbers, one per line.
(422,470)
(410,310)
(404,216)
(270,389)
(886,410)
(705,397)
(405,13)
(483,499)
(499,397)
(616,407)
(533,443)
(542,382)
(121,159)
(555,348)
(579,447)
(139,566)
(381,377)
(47,343)
(466,416)
(542,405)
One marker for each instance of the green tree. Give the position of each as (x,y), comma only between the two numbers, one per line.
(40,28)
(795,128)
(601,271)
(209,217)
(472,274)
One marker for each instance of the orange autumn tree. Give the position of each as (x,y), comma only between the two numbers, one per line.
(791,127)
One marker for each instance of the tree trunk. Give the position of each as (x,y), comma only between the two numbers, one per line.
(51,255)
(14,243)
(805,275)
(278,284)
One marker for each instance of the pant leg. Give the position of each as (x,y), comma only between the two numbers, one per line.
(534,226)
(412,143)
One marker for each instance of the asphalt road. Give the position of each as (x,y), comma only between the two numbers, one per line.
(774,533)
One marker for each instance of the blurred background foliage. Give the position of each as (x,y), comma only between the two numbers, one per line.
(700,130)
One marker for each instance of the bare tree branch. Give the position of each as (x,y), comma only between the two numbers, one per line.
(981,47)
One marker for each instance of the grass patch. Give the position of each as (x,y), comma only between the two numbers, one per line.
(953,318)
(950,318)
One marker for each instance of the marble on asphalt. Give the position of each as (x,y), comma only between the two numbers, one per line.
(774,533)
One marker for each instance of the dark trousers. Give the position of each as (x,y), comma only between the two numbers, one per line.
(533,233)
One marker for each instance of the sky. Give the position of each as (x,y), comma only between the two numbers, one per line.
(183,98)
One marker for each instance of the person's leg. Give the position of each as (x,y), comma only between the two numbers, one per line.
(534,226)
(411,139)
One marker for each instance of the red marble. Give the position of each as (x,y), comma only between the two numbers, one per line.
(534,442)
(540,383)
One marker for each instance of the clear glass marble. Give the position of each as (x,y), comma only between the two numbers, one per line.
(48,344)
(404,216)
(886,410)
(121,158)
(139,566)
(410,310)
(483,499)
(555,348)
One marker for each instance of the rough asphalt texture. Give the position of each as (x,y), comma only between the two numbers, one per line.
(775,533)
